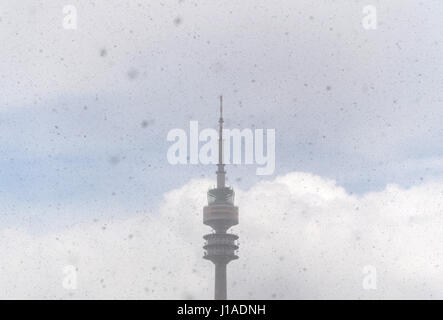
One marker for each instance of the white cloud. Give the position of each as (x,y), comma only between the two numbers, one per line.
(301,236)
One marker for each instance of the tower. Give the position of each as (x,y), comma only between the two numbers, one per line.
(220,214)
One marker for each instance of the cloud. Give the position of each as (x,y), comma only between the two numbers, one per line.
(301,236)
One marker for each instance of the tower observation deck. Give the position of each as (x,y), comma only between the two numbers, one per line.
(220,214)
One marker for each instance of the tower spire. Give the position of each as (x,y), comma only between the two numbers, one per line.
(221,174)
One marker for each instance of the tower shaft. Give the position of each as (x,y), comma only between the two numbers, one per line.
(220,281)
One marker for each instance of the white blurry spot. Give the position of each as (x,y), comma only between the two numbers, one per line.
(369,21)
(70,18)
(370,278)
(70,279)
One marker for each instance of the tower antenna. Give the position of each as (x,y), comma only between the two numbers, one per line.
(221,107)
(221,174)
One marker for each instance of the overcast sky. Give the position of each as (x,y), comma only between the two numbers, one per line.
(84,116)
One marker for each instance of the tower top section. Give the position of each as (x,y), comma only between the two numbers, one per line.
(221,194)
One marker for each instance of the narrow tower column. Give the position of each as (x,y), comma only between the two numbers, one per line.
(220,292)
(221,167)
(220,214)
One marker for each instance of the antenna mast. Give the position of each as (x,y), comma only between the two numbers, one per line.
(221,167)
